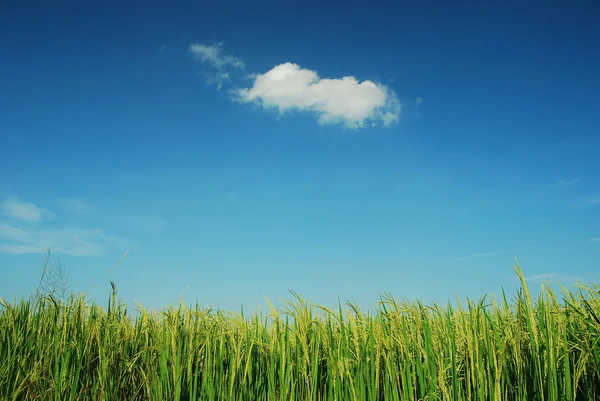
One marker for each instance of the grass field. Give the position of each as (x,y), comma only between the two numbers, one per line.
(547,348)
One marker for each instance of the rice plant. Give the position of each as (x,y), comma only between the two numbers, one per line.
(523,349)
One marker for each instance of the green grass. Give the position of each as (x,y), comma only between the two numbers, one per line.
(523,349)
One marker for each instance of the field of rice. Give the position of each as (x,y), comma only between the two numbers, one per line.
(524,348)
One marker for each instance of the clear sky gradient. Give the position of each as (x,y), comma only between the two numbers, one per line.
(242,149)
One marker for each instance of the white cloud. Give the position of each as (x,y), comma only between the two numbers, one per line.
(344,100)
(288,87)
(594,239)
(24,211)
(213,55)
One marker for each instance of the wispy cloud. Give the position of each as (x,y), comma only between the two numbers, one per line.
(289,87)
(213,55)
(498,252)
(590,202)
(555,277)
(480,255)
(16,209)
(70,241)
(25,232)
(562,183)
(594,239)
(216,78)
(418,102)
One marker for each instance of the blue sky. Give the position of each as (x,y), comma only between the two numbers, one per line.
(346,150)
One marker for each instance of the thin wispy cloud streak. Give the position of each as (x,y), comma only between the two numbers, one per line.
(563,183)
(590,202)
(483,254)
(498,252)
(70,241)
